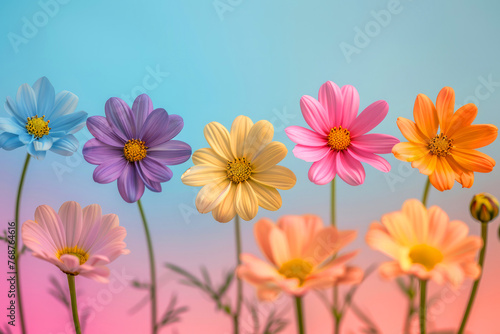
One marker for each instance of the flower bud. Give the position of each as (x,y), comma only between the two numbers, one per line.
(484,207)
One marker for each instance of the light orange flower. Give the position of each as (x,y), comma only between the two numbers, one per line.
(449,154)
(299,249)
(426,244)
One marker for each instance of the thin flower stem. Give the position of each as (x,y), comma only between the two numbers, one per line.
(152,269)
(16,247)
(300,315)
(74,307)
(333,207)
(426,192)
(422,313)
(239,297)
(482,254)
(333,220)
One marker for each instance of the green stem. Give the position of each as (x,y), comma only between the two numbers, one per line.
(300,315)
(16,248)
(239,297)
(337,316)
(74,307)
(422,313)
(332,204)
(152,269)
(426,192)
(482,254)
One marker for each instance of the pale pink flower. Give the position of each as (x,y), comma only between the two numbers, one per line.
(79,242)
(425,243)
(299,250)
(338,143)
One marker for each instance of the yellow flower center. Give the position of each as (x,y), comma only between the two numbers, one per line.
(82,255)
(339,139)
(426,255)
(296,268)
(37,127)
(135,150)
(441,145)
(238,170)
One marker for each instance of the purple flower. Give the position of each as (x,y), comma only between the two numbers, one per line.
(134,145)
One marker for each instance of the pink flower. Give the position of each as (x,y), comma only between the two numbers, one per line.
(299,249)
(425,243)
(338,143)
(79,242)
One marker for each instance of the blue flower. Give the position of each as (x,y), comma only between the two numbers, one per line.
(41,120)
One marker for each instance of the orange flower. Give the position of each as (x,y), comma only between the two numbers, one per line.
(425,243)
(449,154)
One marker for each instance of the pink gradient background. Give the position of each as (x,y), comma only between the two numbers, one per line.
(261,58)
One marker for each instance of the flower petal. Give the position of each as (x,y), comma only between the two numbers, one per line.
(11,126)
(349,169)
(262,231)
(39,155)
(426,165)
(372,159)
(154,170)
(10,141)
(375,143)
(65,103)
(443,177)
(239,132)
(201,175)
(425,115)
(277,177)
(330,97)
(350,105)
(96,152)
(100,128)
(473,160)
(310,153)
(417,215)
(218,138)
(70,123)
(324,170)
(315,115)
(120,118)
(12,110)
(142,107)
(26,101)
(247,204)
(153,132)
(369,118)
(45,96)
(110,170)
(463,117)
(207,156)
(173,152)
(50,221)
(226,210)
(410,131)
(445,106)
(272,154)
(268,197)
(303,136)
(475,136)
(43,144)
(259,136)
(65,146)
(409,151)
(212,195)
(130,184)
(71,218)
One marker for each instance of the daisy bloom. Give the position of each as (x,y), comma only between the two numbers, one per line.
(442,143)
(238,172)
(425,243)
(79,242)
(134,146)
(299,251)
(338,143)
(42,120)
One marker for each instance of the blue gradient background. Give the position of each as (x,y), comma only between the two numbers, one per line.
(257,59)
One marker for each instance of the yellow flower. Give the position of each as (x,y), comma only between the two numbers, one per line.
(238,172)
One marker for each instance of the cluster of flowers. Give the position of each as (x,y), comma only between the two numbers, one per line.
(239,172)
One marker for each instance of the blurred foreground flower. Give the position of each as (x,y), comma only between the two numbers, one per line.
(299,249)
(134,145)
(449,154)
(238,172)
(338,142)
